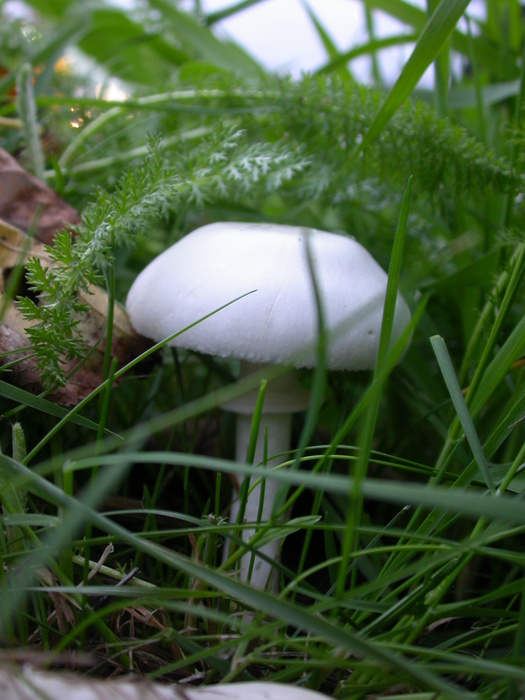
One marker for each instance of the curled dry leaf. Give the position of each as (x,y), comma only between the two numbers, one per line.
(15,351)
(147,617)
(24,199)
(62,604)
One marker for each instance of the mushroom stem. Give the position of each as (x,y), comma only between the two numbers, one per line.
(279,429)
(284,397)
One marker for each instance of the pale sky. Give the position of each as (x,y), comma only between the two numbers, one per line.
(281,36)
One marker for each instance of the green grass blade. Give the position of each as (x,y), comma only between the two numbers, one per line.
(394,276)
(403,11)
(370,29)
(328,43)
(201,44)
(119,373)
(480,386)
(447,370)
(491,95)
(433,38)
(355,506)
(512,349)
(506,287)
(470,504)
(25,398)
(441,70)
(219,15)
(370,47)
(29,118)
(487,51)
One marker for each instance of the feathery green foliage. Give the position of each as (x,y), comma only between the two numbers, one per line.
(222,166)
(247,162)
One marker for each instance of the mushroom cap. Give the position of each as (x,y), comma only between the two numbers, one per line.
(278,322)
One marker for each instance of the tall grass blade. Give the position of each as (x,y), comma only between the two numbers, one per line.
(25,398)
(447,370)
(200,43)
(430,43)
(469,504)
(370,47)
(328,43)
(217,16)
(356,500)
(29,118)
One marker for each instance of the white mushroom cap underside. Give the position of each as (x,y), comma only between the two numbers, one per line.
(278,322)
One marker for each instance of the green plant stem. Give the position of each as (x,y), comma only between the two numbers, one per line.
(138,153)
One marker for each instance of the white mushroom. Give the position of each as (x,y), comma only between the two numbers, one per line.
(28,683)
(276,325)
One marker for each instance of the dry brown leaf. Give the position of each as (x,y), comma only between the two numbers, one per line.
(148,617)
(24,199)
(15,248)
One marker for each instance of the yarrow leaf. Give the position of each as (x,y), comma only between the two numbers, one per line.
(223,166)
